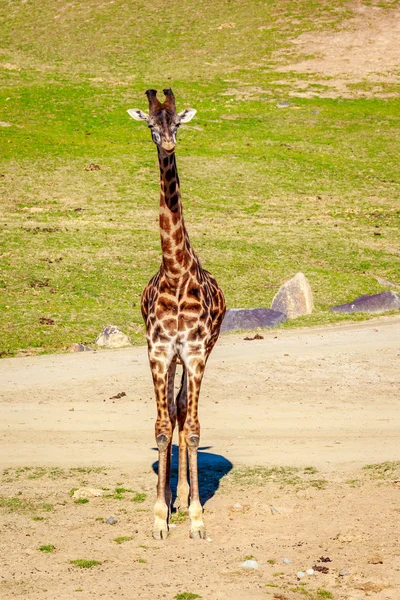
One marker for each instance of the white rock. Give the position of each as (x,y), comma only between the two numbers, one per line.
(113,337)
(310,572)
(294,297)
(87,493)
(286,561)
(237,506)
(300,574)
(250,564)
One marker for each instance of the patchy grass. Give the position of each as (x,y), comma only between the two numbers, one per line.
(81,501)
(122,539)
(385,470)
(19,505)
(139,497)
(119,493)
(267,191)
(178,517)
(187,596)
(85,564)
(19,473)
(284,476)
(49,548)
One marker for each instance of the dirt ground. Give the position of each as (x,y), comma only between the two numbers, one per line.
(365,49)
(288,423)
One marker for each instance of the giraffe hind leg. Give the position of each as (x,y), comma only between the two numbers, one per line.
(182,499)
(172,417)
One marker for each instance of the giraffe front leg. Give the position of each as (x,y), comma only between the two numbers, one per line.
(192,436)
(163,433)
(160,529)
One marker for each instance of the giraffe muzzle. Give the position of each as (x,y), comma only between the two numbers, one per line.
(168,146)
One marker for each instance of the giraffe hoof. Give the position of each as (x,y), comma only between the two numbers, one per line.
(198,534)
(178,505)
(160,534)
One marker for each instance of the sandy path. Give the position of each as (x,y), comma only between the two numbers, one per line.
(325,397)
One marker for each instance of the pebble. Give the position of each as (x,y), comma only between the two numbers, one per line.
(209,539)
(111,521)
(286,561)
(274,510)
(300,574)
(310,572)
(250,564)
(344,572)
(237,506)
(283,104)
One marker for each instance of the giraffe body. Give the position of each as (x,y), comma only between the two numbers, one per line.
(183,309)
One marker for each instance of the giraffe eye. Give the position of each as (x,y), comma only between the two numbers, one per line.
(156,137)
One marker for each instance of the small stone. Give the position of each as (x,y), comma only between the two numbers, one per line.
(209,539)
(87,493)
(79,348)
(250,564)
(375,303)
(252,318)
(274,510)
(286,561)
(344,573)
(284,104)
(347,539)
(111,521)
(300,574)
(310,572)
(375,560)
(237,506)
(294,298)
(112,337)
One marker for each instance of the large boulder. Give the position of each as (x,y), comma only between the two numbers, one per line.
(294,298)
(252,318)
(112,337)
(375,303)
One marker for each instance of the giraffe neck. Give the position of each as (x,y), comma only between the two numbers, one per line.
(177,252)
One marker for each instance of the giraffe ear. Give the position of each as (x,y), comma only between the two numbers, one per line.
(138,114)
(186,115)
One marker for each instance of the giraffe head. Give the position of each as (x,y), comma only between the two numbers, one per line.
(163,120)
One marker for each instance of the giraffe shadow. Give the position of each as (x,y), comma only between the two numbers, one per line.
(212,468)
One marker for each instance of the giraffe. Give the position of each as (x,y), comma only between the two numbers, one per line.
(183,308)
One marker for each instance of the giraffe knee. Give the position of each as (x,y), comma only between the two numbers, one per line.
(193,441)
(162,441)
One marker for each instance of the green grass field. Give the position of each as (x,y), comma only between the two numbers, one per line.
(267,191)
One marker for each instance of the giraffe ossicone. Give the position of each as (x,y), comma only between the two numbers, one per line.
(183,308)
